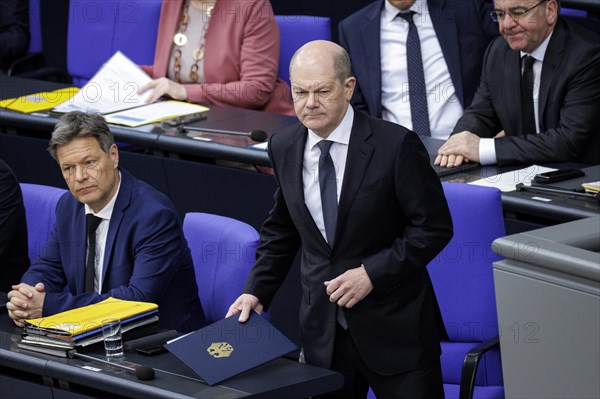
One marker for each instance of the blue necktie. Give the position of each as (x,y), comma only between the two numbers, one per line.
(329,204)
(328,186)
(90,266)
(527,111)
(416,79)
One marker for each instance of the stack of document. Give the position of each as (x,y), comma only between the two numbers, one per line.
(83,326)
(113,91)
(591,187)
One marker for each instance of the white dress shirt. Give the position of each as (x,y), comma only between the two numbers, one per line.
(442,102)
(101,234)
(310,167)
(487,147)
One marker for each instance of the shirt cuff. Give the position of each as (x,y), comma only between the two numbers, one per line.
(487,151)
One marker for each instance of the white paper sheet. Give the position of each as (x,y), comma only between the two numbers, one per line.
(113,88)
(507,181)
(153,113)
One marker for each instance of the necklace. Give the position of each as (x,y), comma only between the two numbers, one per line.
(180,39)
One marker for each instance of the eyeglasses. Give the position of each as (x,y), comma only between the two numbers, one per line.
(515,13)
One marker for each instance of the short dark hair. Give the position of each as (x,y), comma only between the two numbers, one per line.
(76,124)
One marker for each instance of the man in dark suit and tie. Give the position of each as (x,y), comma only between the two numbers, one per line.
(135,248)
(539,98)
(418,62)
(358,197)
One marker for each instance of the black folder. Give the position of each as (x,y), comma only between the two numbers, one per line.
(227,348)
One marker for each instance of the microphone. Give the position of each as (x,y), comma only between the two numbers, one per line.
(143,373)
(256,135)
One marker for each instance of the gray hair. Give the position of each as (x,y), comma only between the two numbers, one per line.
(78,124)
(341,64)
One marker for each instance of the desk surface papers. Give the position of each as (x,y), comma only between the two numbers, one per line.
(113,88)
(507,181)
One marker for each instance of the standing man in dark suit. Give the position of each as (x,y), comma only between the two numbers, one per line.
(134,250)
(366,232)
(553,118)
(13,230)
(452,34)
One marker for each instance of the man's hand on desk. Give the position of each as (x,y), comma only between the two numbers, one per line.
(244,305)
(25,302)
(460,147)
(164,87)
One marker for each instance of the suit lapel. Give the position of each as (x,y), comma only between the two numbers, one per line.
(116,218)
(445,29)
(552,60)
(370,32)
(81,258)
(357,161)
(290,170)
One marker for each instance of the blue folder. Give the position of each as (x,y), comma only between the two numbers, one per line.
(227,348)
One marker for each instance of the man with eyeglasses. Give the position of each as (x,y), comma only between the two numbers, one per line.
(114,236)
(539,97)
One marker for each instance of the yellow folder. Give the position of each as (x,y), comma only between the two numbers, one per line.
(39,101)
(87,318)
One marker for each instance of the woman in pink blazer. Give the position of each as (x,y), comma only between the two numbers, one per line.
(241,41)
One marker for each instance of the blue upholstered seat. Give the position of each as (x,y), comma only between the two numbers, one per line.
(462,277)
(295,31)
(97,29)
(40,209)
(223,250)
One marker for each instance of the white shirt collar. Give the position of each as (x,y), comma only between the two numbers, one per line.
(540,51)
(390,12)
(106,212)
(341,134)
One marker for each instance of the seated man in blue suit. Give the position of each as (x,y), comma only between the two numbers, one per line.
(135,248)
(451,37)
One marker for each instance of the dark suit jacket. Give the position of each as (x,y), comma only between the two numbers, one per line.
(392,217)
(569,100)
(463,28)
(146,258)
(13,230)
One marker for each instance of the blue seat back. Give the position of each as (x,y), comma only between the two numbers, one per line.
(97,29)
(35,27)
(223,251)
(295,31)
(463,281)
(40,209)
(462,275)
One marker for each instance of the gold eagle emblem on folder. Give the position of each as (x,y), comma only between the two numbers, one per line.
(219,349)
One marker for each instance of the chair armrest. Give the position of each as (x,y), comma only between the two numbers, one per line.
(469,369)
